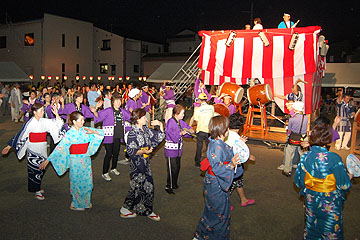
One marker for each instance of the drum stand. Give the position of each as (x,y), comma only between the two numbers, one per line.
(250,117)
(353,147)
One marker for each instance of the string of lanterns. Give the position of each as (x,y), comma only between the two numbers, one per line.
(110,78)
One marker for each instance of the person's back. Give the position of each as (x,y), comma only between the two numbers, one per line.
(203,116)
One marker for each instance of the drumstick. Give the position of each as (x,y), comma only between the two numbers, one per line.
(295,24)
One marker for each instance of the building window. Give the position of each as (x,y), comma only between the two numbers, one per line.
(106,45)
(104,67)
(77,68)
(77,42)
(63,40)
(29,39)
(145,48)
(113,69)
(63,67)
(3,42)
(136,68)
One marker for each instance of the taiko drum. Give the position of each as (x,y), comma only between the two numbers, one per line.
(259,94)
(233,90)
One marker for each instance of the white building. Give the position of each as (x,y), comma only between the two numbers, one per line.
(57,47)
(135,51)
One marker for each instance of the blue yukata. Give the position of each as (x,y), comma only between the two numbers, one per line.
(140,197)
(67,156)
(323,180)
(215,219)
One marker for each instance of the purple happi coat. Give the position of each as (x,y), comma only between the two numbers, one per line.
(131,105)
(106,116)
(174,140)
(144,100)
(70,107)
(198,90)
(27,108)
(169,97)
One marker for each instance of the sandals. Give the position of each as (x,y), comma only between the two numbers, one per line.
(125,213)
(153,216)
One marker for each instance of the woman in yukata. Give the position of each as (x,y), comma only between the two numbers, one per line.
(32,139)
(140,142)
(215,219)
(73,152)
(323,180)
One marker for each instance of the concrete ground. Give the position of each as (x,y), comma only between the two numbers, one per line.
(277,214)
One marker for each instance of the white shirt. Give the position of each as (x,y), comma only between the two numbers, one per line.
(258,26)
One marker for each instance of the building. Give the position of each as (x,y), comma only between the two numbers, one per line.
(56,48)
(179,48)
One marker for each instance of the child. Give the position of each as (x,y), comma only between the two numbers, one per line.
(236,124)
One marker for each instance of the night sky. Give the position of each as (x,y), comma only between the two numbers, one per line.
(156,20)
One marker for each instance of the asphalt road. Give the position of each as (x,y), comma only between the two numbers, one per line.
(277,214)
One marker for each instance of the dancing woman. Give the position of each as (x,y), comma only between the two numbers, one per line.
(32,139)
(173,146)
(140,142)
(73,152)
(76,106)
(323,180)
(114,120)
(215,219)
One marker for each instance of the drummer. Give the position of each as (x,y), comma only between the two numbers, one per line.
(296,95)
(227,101)
(198,89)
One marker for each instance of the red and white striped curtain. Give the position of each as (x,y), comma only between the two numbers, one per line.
(276,64)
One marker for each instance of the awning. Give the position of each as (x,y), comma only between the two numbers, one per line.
(166,71)
(342,75)
(10,72)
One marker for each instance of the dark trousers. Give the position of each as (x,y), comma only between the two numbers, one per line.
(200,138)
(112,151)
(35,175)
(173,169)
(5,107)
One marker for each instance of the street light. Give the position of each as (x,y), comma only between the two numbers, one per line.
(84,78)
(42,77)
(49,77)
(65,78)
(31,77)
(120,78)
(91,78)
(77,78)
(127,78)
(57,77)
(99,78)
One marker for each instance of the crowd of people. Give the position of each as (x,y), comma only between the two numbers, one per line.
(121,115)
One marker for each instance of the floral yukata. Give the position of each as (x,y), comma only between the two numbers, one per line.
(73,152)
(323,180)
(32,139)
(140,197)
(215,219)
